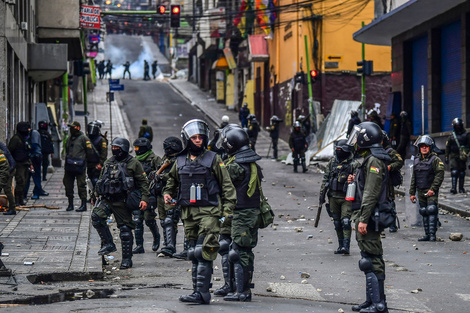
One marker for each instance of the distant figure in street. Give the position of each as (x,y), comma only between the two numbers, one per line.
(36,160)
(146,70)
(126,70)
(253,130)
(109,69)
(354,120)
(47,146)
(145,130)
(154,69)
(394,131)
(457,147)
(406,130)
(273,130)
(101,68)
(298,145)
(375,118)
(243,115)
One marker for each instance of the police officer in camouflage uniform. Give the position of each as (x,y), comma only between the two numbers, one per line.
(334,182)
(169,214)
(77,149)
(371,193)
(246,176)
(20,148)
(122,187)
(149,161)
(99,156)
(7,188)
(205,193)
(395,165)
(427,177)
(458,139)
(5,179)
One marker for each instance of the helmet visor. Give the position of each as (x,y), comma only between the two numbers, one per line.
(353,136)
(426,140)
(195,127)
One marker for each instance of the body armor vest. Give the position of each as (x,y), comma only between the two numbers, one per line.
(298,141)
(199,174)
(339,176)
(243,201)
(116,181)
(424,173)
(462,138)
(147,165)
(95,157)
(22,154)
(360,185)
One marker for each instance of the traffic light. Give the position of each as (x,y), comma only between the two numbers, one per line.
(70,80)
(365,67)
(175,14)
(85,68)
(108,2)
(161,9)
(313,75)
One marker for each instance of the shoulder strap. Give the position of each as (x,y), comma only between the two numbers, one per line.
(456,140)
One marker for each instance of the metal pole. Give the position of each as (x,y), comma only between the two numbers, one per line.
(110,117)
(422,109)
(363,83)
(313,115)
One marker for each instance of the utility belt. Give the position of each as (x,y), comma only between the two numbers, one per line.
(115,197)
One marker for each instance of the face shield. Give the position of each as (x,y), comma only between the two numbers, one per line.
(353,136)
(424,139)
(195,127)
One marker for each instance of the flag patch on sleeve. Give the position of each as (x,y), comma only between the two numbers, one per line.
(222,165)
(374,170)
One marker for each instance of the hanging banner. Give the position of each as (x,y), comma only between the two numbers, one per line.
(90,17)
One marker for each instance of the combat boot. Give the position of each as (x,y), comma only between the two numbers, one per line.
(426,237)
(126,243)
(203,284)
(296,163)
(170,233)
(461,182)
(454,176)
(376,298)
(139,236)
(228,273)
(152,225)
(70,207)
(304,167)
(107,244)
(346,245)
(340,247)
(183,255)
(432,227)
(242,282)
(82,207)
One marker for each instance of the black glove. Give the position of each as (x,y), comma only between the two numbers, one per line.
(446,160)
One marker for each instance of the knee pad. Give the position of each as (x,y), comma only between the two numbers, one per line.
(96,220)
(191,248)
(168,220)
(224,242)
(423,211)
(346,223)
(125,233)
(338,225)
(234,256)
(198,252)
(432,209)
(454,173)
(152,202)
(365,265)
(137,216)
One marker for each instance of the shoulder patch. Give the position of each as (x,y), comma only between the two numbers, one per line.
(2,158)
(399,157)
(221,164)
(104,145)
(374,170)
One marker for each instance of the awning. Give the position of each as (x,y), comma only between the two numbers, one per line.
(405,17)
(258,48)
(220,64)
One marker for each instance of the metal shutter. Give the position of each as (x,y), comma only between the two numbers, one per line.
(451,75)
(419,60)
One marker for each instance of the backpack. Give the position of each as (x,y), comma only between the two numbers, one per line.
(146,134)
(47,147)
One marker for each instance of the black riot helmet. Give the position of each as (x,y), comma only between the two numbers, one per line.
(233,139)
(386,140)
(342,149)
(172,146)
(275,119)
(93,129)
(142,145)
(194,127)
(43,125)
(123,150)
(366,135)
(354,113)
(457,124)
(251,117)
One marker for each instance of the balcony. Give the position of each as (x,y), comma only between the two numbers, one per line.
(46,61)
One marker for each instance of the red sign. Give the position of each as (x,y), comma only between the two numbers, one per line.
(90,17)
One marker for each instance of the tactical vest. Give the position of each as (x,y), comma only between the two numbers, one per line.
(424,173)
(360,185)
(198,173)
(95,157)
(147,165)
(243,201)
(339,176)
(22,153)
(462,138)
(116,181)
(298,141)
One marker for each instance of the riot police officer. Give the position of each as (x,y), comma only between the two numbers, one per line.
(456,146)
(354,120)
(100,153)
(246,176)
(371,194)
(7,189)
(122,187)
(273,130)
(394,169)
(298,145)
(149,161)
(334,184)
(205,193)
(169,214)
(427,177)
(253,130)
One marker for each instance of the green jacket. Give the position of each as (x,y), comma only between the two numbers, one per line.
(374,172)
(78,147)
(135,170)
(152,158)
(330,167)
(227,196)
(4,170)
(437,166)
